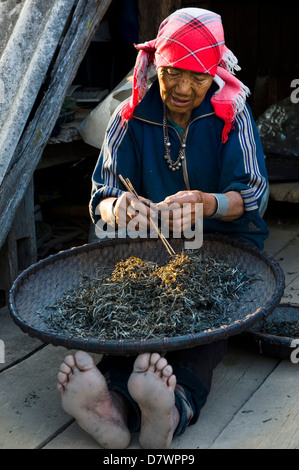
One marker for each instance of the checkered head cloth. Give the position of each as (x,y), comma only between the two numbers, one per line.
(192,39)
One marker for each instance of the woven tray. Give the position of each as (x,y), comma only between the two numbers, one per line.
(268,344)
(45,282)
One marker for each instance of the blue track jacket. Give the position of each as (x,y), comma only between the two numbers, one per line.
(135,149)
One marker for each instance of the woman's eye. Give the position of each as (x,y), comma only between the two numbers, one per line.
(172,73)
(198,79)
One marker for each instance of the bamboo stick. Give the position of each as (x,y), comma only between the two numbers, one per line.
(127,183)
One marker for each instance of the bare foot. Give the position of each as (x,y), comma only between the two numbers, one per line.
(85,396)
(152,385)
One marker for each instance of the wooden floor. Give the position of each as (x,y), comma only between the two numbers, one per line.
(254,402)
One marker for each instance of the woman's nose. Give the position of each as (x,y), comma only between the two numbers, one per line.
(184,85)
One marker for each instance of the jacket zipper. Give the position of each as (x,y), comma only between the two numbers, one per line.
(184,162)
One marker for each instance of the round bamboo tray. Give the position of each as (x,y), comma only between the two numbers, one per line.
(45,282)
(270,344)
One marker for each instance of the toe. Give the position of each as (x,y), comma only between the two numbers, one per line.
(83,360)
(65,368)
(167,372)
(62,378)
(69,361)
(171,381)
(154,359)
(142,362)
(161,364)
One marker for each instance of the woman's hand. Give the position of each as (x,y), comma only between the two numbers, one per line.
(183,208)
(178,212)
(130,211)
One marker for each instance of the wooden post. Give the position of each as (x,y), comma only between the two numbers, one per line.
(19,250)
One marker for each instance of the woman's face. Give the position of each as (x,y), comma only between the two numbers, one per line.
(182,90)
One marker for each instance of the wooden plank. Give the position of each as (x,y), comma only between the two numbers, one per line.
(8,263)
(280,236)
(17,344)
(291,293)
(269,419)
(85,20)
(19,250)
(239,375)
(8,10)
(32,412)
(30,406)
(283,245)
(288,260)
(28,52)
(73,437)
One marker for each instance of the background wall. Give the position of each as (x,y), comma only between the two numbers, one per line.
(262,34)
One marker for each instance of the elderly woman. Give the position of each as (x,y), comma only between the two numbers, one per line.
(190,138)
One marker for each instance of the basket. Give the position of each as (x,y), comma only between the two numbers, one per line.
(268,344)
(45,282)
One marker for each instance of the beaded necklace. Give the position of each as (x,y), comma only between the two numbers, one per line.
(173,165)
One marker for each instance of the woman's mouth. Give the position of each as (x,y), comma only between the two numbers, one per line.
(180,101)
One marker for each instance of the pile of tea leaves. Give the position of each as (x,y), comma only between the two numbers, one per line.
(141,299)
(287,328)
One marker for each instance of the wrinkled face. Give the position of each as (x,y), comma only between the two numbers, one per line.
(182,90)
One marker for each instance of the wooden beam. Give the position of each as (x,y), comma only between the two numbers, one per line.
(19,249)
(28,47)
(85,20)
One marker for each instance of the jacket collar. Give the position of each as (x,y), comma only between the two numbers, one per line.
(151,107)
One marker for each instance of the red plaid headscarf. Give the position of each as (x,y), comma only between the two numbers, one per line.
(192,39)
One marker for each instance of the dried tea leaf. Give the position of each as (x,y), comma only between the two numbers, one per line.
(281,328)
(141,299)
